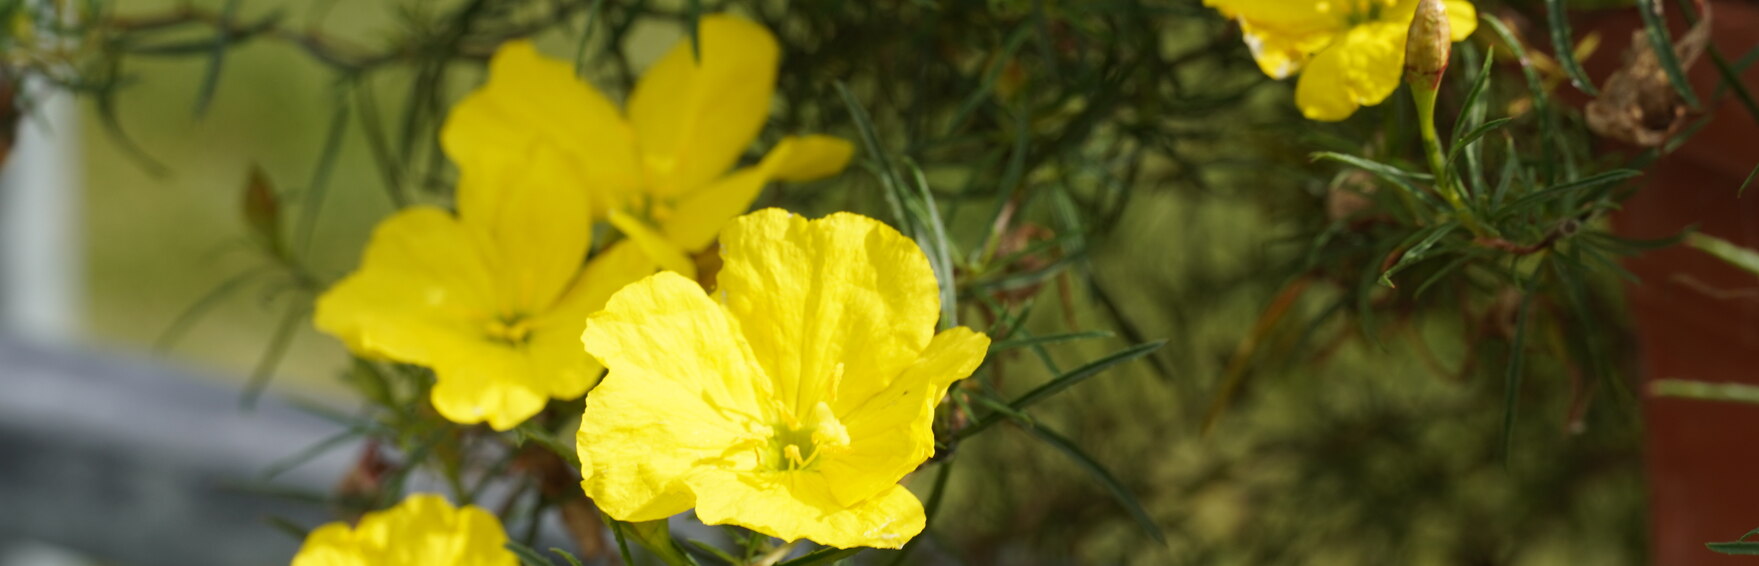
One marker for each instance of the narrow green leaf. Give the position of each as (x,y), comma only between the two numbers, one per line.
(196,310)
(1082,373)
(931,509)
(287,526)
(1563,189)
(1731,79)
(271,358)
(693,26)
(622,541)
(707,549)
(1512,376)
(1006,345)
(530,430)
(1480,82)
(986,84)
(1749,181)
(1564,49)
(527,556)
(825,555)
(1708,391)
(1471,138)
(308,453)
(1738,548)
(1099,473)
(216,58)
(1400,178)
(572,561)
(319,186)
(1415,252)
(592,17)
(1743,258)
(1655,24)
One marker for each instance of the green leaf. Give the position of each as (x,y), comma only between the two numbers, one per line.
(1749,181)
(196,310)
(1564,48)
(1564,189)
(572,561)
(1656,26)
(1512,375)
(1104,477)
(529,430)
(1006,345)
(1415,252)
(1740,548)
(277,349)
(1400,178)
(319,186)
(1470,138)
(825,555)
(217,56)
(308,453)
(1689,389)
(1065,381)
(527,556)
(931,509)
(1082,373)
(1743,258)
(656,537)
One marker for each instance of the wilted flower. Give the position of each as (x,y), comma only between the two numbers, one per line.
(1350,53)
(423,530)
(661,175)
(792,401)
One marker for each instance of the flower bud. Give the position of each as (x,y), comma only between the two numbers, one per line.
(1428,45)
(262,210)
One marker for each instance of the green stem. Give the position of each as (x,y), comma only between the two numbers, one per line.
(1444,184)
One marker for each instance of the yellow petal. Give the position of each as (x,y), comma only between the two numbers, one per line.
(333,545)
(421,274)
(892,428)
(495,383)
(799,505)
(423,530)
(681,389)
(532,217)
(844,297)
(1283,34)
(659,249)
(1462,19)
(529,96)
(699,216)
(693,224)
(1462,16)
(556,341)
(694,118)
(1362,68)
(806,158)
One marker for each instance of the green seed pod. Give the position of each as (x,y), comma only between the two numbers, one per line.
(1428,45)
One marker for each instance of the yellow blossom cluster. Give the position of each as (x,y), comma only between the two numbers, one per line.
(790,397)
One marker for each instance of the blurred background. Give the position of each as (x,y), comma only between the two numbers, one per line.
(139,309)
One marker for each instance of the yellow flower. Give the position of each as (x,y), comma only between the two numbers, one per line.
(494,298)
(1350,53)
(423,530)
(792,401)
(661,175)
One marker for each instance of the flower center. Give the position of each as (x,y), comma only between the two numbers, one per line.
(798,446)
(512,330)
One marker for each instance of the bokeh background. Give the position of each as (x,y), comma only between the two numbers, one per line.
(1337,450)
